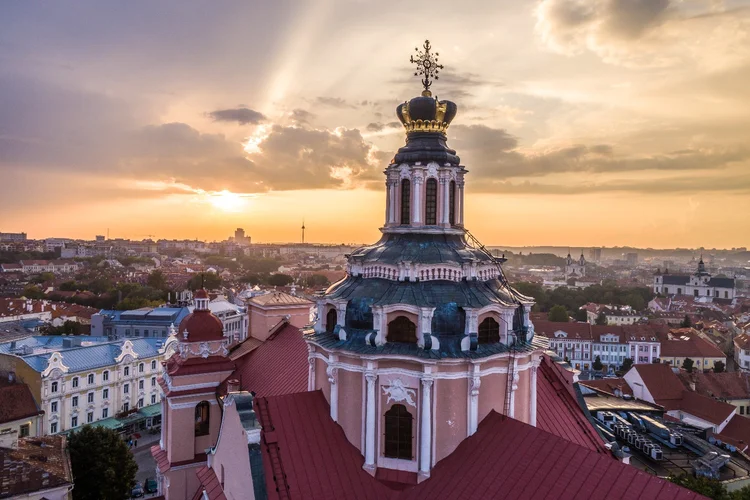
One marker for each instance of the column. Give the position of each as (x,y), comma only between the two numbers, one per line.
(163,437)
(532,420)
(371,377)
(474,383)
(391,202)
(514,386)
(460,210)
(446,200)
(319,328)
(310,369)
(387,202)
(425,439)
(416,208)
(333,375)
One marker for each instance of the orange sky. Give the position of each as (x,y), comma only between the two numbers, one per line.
(581,123)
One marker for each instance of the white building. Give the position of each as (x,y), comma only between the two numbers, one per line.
(575,268)
(698,284)
(616,315)
(82,380)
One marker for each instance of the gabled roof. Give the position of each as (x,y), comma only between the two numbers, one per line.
(662,383)
(209,484)
(535,464)
(709,409)
(38,464)
(278,366)
(16,402)
(724,385)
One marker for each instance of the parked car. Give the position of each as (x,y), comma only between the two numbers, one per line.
(137,491)
(151,486)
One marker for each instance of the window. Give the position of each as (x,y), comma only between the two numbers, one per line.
(75,382)
(145,333)
(331,320)
(90,417)
(402,329)
(140,403)
(153,381)
(90,397)
(126,388)
(430,207)
(489,331)
(153,399)
(742,410)
(137,332)
(105,376)
(105,412)
(398,433)
(53,407)
(153,365)
(140,384)
(74,421)
(452,203)
(105,393)
(54,387)
(679,291)
(91,378)
(140,368)
(163,333)
(726,295)
(24,430)
(126,371)
(127,332)
(74,401)
(405,201)
(202,418)
(53,428)
(125,406)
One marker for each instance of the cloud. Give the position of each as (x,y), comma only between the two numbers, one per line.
(638,33)
(334,102)
(301,116)
(495,154)
(243,116)
(378,126)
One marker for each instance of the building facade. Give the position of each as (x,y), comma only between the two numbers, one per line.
(698,284)
(80,380)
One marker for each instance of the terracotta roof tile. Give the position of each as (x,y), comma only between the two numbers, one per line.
(661,382)
(278,366)
(210,484)
(708,409)
(17,402)
(608,385)
(39,463)
(724,385)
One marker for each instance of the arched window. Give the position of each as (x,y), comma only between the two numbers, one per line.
(452,203)
(405,201)
(489,331)
(202,410)
(402,329)
(398,435)
(430,207)
(331,320)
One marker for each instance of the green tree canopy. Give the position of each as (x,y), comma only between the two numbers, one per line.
(705,486)
(558,313)
(157,280)
(209,281)
(33,292)
(103,466)
(601,319)
(688,365)
(686,323)
(627,363)
(280,279)
(316,280)
(719,367)
(597,365)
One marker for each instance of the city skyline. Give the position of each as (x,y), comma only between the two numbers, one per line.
(599,123)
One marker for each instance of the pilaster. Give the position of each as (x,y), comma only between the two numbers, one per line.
(371,378)
(425,439)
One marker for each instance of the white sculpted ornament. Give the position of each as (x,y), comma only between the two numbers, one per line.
(397,393)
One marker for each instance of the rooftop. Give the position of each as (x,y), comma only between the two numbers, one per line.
(38,464)
(279,299)
(16,403)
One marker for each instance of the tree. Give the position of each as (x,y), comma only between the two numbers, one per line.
(33,292)
(711,488)
(597,364)
(103,466)
(627,363)
(318,280)
(688,365)
(558,313)
(635,301)
(279,279)
(157,280)
(601,319)
(686,323)
(719,367)
(209,281)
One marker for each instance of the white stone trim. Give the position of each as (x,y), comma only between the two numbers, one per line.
(425,439)
(372,378)
(182,406)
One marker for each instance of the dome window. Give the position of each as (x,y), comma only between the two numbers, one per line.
(331,320)
(489,331)
(402,329)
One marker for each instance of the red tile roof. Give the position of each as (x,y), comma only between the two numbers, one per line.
(37,464)
(708,409)
(306,454)
(608,385)
(693,346)
(210,484)
(725,385)
(535,464)
(575,331)
(559,413)
(160,457)
(737,432)
(278,366)
(17,402)
(201,326)
(662,383)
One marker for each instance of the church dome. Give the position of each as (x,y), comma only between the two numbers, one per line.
(201,325)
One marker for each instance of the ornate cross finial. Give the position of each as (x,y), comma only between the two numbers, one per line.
(427,66)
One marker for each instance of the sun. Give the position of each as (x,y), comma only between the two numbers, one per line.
(227,201)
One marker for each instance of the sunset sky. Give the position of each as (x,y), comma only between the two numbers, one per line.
(582,122)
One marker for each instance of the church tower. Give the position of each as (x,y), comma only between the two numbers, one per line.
(424,336)
(191,377)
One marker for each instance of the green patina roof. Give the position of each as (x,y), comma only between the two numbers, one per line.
(109,423)
(151,410)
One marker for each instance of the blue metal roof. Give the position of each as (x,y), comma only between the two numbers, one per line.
(165,315)
(96,352)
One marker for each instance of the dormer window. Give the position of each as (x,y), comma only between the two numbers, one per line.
(402,329)
(489,331)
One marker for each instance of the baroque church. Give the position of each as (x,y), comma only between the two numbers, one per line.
(420,378)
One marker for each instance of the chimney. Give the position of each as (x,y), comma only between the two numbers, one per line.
(233,385)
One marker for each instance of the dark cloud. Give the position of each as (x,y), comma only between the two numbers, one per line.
(243,116)
(377,126)
(302,116)
(631,18)
(334,102)
(494,154)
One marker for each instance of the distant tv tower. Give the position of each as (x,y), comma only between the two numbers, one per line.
(303,231)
